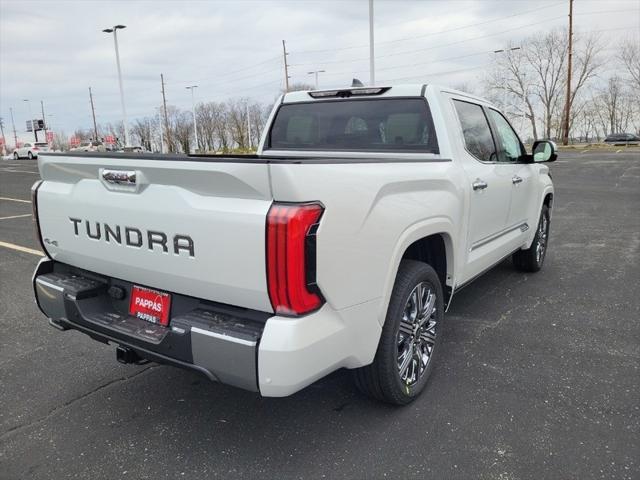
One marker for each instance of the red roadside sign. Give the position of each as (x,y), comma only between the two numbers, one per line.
(49,136)
(74,141)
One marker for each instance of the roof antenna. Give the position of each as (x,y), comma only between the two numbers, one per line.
(356,83)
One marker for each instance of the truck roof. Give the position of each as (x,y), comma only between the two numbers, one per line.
(388,91)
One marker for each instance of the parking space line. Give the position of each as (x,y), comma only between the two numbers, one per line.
(16,216)
(18,171)
(15,200)
(21,248)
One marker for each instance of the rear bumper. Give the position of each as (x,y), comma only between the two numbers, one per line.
(253,350)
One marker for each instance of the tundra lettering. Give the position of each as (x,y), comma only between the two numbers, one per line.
(134,237)
(339,244)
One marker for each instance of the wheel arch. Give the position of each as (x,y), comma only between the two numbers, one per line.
(430,242)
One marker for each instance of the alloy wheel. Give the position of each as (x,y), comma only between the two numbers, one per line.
(417,333)
(543,233)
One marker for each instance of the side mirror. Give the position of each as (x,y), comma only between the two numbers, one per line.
(544,151)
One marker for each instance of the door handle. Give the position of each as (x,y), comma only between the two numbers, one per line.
(479,184)
(516,179)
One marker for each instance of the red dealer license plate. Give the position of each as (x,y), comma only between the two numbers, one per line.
(150,305)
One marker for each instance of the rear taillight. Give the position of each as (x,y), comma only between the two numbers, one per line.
(34,208)
(35,149)
(291,257)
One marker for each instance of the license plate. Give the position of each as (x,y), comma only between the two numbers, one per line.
(150,305)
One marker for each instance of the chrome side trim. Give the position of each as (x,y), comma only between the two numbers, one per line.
(457,288)
(228,338)
(523,226)
(49,285)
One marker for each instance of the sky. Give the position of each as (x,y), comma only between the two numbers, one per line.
(55,50)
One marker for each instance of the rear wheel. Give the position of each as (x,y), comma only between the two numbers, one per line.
(531,260)
(410,338)
(30,155)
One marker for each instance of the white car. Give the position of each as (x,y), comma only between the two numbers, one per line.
(30,150)
(340,244)
(90,146)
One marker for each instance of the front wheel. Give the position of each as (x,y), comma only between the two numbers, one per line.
(410,339)
(531,260)
(16,156)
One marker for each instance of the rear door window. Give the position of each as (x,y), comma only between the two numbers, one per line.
(371,125)
(476,131)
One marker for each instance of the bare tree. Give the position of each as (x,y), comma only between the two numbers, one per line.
(182,128)
(630,57)
(141,129)
(60,142)
(237,122)
(294,87)
(546,55)
(512,78)
(614,110)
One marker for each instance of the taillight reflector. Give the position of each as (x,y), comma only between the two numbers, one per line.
(34,209)
(291,258)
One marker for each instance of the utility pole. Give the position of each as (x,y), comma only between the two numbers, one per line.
(4,140)
(286,67)
(44,122)
(372,66)
(567,104)
(193,110)
(93,114)
(166,119)
(13,124)
(161,135)
(248,127)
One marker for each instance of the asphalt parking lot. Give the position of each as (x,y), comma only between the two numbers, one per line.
(539,376)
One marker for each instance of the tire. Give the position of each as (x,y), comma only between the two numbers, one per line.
(382,379)
(30,155)
(532,259)
(16,156)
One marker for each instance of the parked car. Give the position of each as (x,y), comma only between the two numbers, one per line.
(136,149)
(340,244)
(623,139)
(30,150)
(91,146)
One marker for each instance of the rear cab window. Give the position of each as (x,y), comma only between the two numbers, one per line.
(365,125)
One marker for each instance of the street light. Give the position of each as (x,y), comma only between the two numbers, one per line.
(502,50)
(33,127)
(496,52)
(114,30)
(193,110)
(316,72)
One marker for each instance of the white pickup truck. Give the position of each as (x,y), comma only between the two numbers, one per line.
(338,245)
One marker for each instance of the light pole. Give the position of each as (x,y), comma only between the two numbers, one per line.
(316,72)
(193,110)
(372,67)
(114,30)
(33,127)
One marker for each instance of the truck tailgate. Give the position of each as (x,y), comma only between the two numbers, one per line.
(185,226)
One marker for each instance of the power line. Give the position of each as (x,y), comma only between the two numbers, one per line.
(457,42)
(394,67)
(432,33)
(226,74)
(435,74)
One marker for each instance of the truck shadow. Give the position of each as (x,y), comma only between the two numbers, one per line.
(203,417)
